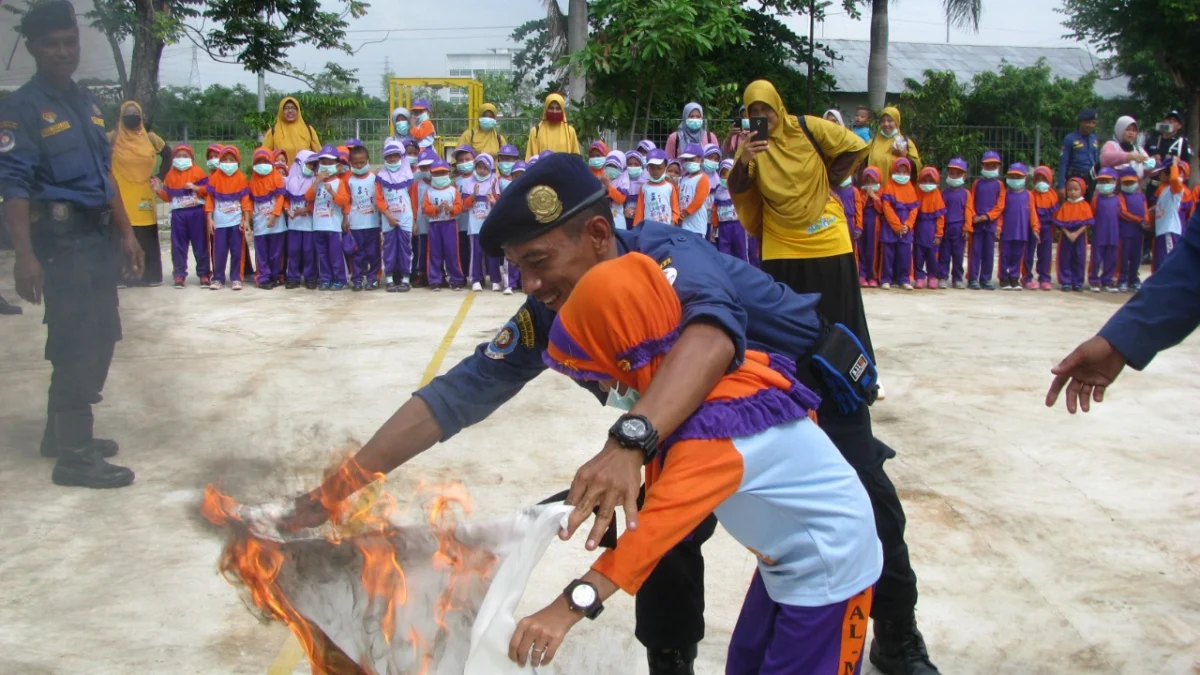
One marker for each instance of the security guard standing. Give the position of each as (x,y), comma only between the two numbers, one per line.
(69,232)
(1080,154)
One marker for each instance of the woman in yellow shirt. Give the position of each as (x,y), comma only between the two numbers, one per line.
(134,151)
(291,133)
(484,137)
(889,144)
(553,133)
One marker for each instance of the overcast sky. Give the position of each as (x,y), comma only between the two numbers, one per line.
(424,32)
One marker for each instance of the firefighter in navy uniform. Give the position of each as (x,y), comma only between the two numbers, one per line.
(71,236)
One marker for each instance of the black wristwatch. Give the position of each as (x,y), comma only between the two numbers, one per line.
(635,432)
(582,597)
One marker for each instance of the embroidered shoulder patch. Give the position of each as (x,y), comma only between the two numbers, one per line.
(504,343)
(55,129)
(8,125)
(7,140)
(525,328)
(49,116)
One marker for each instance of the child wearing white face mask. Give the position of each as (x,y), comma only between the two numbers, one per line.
(960,216)
(421,126)
(479,195)
(731,235)
(870,218)
(183,187)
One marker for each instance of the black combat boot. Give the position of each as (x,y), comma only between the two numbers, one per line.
(672,661)
(899,649)
(105,447)
(84,467)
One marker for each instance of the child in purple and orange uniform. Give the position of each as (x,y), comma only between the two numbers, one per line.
(931,224)
(731,235)
(393,199)
(871,222)
(443,204)
(960,216)
(987,194)
(1074,218)
(1045,200)
(900,208)
(183,188)
(1018,224)
(1170,212)
(227,204)
(301,251)
(516,169)
(481,195)
(270,230)
(421,179)
(848,195)
(365,221)
(328,201)
(1134,221)
(1106,233)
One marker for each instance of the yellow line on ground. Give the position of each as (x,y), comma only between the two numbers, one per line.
(291,653)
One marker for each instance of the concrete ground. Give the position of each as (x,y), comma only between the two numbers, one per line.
(1044,543)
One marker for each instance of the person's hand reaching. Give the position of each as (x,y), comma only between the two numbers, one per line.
(1089,370)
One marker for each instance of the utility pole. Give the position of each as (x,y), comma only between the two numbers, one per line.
(262,98)
(947,30)
(194,76)
(812,26)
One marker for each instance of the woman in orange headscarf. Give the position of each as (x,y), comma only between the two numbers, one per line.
(134,152)
(750,454)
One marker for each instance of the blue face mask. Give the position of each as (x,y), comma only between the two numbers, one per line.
(660,179)
(1041,186)
(612,172)
(465,167)
(990,173)
(212,164)
(440,182)
(901,179)
(694,125)
(505,168)
(927,187)
(1129,188)
(393,166)
(306,172)
(487,123)
(482,174)
(422,118)
(889,134)
(423,175)
(691,167)
(182,163)
(1015,183)
(725,183)
(261,169)
(595,162)
(1106,188)
(711,166)
(402,128)
(955,182)
(230,168)
(848,181)
(622,402)
(745,124)
(411,160)
(635,172)
(360,170)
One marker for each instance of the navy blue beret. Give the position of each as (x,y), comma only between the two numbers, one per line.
(552,192)
(47,17)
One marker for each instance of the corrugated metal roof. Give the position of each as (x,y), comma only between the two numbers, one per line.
(912,59)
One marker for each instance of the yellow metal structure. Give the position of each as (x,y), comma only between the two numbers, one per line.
(401,90)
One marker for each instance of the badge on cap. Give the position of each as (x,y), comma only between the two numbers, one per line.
(7,141)
(544,203)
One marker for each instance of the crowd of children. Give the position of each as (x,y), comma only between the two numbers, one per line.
(915,238)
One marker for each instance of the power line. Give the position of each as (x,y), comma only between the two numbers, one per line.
(430,28)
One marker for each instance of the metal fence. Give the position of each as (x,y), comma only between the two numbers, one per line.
(1033,146)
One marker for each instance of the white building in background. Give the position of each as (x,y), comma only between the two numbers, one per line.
(493,61)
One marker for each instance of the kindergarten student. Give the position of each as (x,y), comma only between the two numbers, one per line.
(393,199)
(1045,200)
(711,168)
(731,234)
(1133,216)
(870,225)
(481,196)
(931,224)
(851,200)
(617,184)
(280,163)
(900,210)
(464,169)
(1074,218)
(1106,233)
(401,125)
(212,157)
(421,185)
(301,254)
(1018,224)
(1168,213)
(751,456)
(227,205)
(659,198)
(674,171)
(693,192)
(506,159)
(635,171)
(987,194)
(443,205)
(597,153)
(270,231)
(862,123)
(424,133)
(514,272)
(960,212)
(183,187)
(364,221)
(329,200)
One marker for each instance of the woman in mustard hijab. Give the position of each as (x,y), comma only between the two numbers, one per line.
(552,133)
(484,137)
(134,151)
(291,134)
(889,144)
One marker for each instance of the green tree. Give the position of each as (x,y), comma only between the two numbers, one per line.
(334,79)
(1145,32)
(959,13)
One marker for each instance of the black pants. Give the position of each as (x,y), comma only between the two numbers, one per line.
(670,605)
(83,324)
(836,279)
(147,238)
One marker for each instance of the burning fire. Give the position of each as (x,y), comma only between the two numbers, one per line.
(365,522)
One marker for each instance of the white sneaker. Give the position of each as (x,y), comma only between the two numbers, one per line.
(508,291)
(477,287)
(907,287)
(495,288)
(885,286)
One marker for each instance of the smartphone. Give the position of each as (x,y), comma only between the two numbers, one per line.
(759,126)
(1163,128)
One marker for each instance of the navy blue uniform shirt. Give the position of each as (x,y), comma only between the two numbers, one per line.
(53,146)
(1167,307)
(756,311)
(1080,154)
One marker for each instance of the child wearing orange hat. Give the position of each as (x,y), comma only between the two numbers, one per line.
(227,205)
(183,188)
(931,223)
(270,230)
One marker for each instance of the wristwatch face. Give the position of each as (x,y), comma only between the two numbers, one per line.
(583,596)
(633,428)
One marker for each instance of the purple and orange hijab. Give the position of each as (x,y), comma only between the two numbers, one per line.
(619,323)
